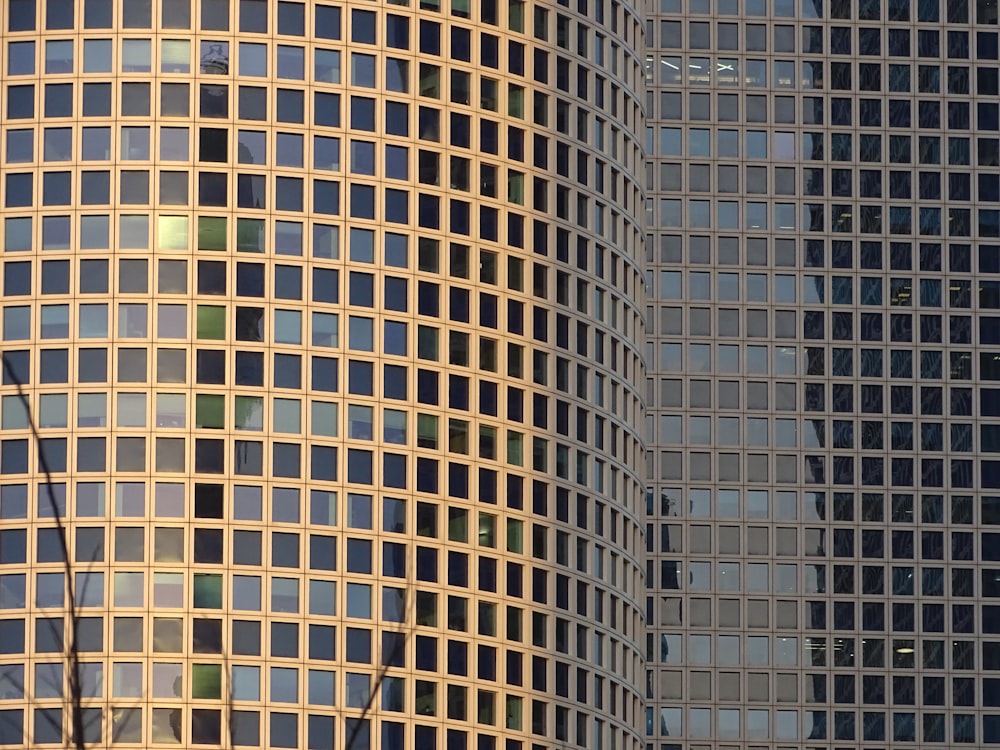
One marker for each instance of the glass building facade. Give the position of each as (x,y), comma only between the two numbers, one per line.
(438,374)
(824,357)
(325,321)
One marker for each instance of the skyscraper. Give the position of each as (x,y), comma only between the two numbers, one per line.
(326,320)
(824,268)
(429,374)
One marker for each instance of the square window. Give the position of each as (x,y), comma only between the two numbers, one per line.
(59,100)
(215,16)
(287,372)
(253,16)
(175,100)
(135,98)
(252,103)
(20,102)
(288,194)
(213,100)
(291,18)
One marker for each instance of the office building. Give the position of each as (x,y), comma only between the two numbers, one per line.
(327,317)
(500,376)
(824,268)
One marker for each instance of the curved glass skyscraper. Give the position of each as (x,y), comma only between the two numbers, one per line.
(453,375)
(321,335)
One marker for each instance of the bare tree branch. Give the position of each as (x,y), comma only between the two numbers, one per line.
(71,649)
(399,645)
(228,671)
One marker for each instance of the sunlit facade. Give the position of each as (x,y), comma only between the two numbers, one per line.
(328,316)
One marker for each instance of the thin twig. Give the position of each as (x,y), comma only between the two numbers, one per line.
(228,671)
(72,649)
(400,645)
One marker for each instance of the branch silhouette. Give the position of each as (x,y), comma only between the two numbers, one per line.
(406,630)
(399,645)
(357,724)
(71,649)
